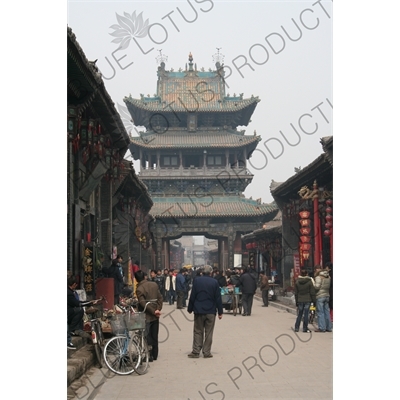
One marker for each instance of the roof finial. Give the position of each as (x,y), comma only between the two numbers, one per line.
(190,62)
(161,58)
(218,57)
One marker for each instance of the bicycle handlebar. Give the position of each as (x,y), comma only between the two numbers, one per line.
(149,302)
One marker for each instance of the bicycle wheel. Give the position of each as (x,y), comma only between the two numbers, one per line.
(140,356)
(234,305)
(116,354)
(98,346)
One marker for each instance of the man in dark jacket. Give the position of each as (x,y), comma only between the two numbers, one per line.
(264,286)
(205,301)
(115,272)
(220,278)
(147,290)
(304,292)
(75,309)
(180,288)
(248,285)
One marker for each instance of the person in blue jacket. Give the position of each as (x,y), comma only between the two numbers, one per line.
(180,288)
(205,302)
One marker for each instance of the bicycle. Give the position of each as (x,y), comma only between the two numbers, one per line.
(96,332)
(119,352)
(311,316)
(137,323)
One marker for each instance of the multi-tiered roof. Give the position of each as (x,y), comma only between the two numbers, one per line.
(192,120)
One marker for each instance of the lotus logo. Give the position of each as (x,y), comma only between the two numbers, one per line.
(129,26)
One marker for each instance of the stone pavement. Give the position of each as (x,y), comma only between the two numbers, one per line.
(256,357)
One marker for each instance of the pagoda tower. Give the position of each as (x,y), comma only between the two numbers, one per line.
(193,160)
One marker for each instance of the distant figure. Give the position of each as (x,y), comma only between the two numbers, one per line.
(204,301)
(180,289)
(220,278)
(170,284)
(115,273)
(264,287)
(165,276)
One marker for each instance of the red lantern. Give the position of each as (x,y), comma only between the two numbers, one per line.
(304,214)
(328,210)
(305,231)
(305,246)
(305,239)
(305,222)
(328,225)
(329,202)
(329,218)
(327,232)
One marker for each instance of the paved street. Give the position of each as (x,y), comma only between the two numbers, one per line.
(256,357)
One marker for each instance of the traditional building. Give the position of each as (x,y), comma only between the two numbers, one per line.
(97,143)
(264,246)
(193,160)
(306,202)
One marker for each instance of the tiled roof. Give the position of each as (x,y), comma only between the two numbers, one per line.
(85,75)
(272,227)
(189,101)
(131,185)
(320,169)
(232,206)
(196,140)
(190,91)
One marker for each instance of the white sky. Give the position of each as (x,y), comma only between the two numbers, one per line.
(289,84)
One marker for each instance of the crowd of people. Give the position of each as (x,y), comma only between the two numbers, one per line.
(174,285)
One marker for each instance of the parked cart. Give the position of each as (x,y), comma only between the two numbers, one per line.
(231,299)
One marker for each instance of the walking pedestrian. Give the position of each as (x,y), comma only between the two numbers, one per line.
(147,290)
(322,286)
(264,287)
(248,285)
(180,289)
(304,292)
(204,301)
(170,287)
(187,286)
(165,276)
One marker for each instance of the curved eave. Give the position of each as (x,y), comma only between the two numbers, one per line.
(142,113)
(212,209)
(215,106)
(163,142)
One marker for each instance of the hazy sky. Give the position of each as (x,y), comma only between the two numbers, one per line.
(280,51)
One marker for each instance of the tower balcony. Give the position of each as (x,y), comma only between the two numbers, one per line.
(195,172)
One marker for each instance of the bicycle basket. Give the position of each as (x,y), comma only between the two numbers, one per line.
(135,321)
(118,324)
